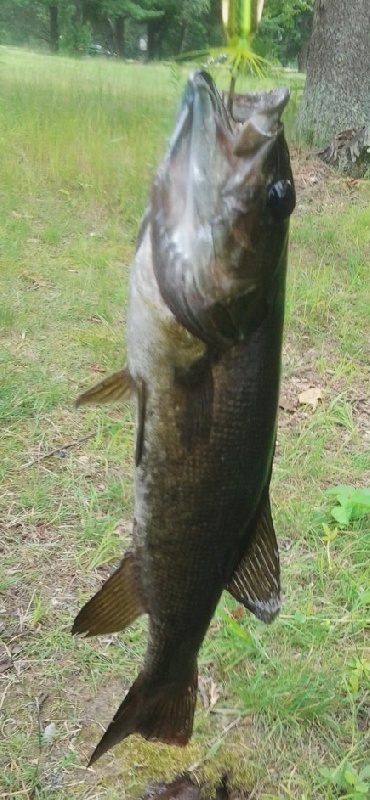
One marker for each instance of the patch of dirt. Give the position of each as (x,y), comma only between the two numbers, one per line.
(317,182)
(363,718)
(361,411)
(295,404)
(293,409)
(184,787)
(349,151)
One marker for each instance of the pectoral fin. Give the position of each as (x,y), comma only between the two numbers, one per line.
(115,605)
(256,580)
(119,386)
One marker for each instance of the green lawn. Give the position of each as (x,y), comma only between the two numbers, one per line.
(285,709)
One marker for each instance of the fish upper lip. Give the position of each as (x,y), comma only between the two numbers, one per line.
(198,83)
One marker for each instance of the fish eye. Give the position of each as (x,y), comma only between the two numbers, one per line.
(281,200)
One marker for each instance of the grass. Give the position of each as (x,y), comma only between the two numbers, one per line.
(285,708)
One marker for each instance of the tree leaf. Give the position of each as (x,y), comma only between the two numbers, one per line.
(340,491)
(350,776)
(310,397)
(341,514)
(365,772)
(364,600)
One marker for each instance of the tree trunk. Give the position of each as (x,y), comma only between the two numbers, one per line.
(337,90)
(119,36)
(152,51)
(77,15)
(54,28)
(156,30)
(162,28)
(183,30)
(216,35)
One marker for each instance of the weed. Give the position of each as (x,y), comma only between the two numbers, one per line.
(352,504)
(353,784)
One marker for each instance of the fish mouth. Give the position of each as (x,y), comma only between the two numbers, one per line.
(255,118)
(211,149)
(214,163)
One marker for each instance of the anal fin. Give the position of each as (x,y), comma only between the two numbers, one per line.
(256,580)
(115,605)
(119,386)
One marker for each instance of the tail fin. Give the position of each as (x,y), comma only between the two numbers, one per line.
(157,711)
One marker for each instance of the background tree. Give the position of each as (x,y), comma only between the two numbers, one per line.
(52,22)
(170,25)
(215,29)
(337,90)
(22,21)
(185,27)
(191,16)
(117,14)
(285,30)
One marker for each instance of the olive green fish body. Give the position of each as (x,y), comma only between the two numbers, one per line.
(196,495)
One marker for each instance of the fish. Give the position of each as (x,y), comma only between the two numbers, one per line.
(204,324)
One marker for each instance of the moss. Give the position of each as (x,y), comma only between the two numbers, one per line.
(140,764)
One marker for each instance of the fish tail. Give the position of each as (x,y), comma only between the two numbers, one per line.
(158,711)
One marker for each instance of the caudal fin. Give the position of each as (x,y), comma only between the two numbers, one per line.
(160,712)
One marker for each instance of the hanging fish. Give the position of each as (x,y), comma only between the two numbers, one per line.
(204,337)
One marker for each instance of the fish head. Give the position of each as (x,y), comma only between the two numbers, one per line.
(221,203)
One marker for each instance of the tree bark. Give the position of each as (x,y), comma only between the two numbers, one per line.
(337,90)
(54,28)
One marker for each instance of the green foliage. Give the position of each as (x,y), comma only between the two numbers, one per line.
(142,10)
(72,24)
(74,31)
(23,21)
(358,675)
(352,504)
(353,784)
(285,29)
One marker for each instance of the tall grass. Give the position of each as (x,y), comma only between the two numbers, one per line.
(83,127)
